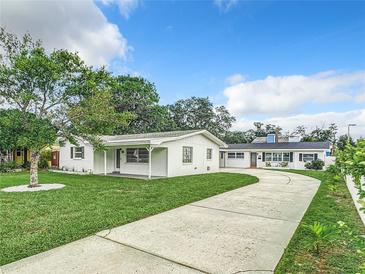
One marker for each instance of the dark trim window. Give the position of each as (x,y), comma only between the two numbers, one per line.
(308,157)
(236,155)
(231,155)
(209,154)
(18,152)
(137,155)
(78,152)
(187,155)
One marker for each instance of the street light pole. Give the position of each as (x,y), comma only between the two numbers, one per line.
(348,130)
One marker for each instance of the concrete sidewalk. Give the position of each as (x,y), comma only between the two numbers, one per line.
(244,230)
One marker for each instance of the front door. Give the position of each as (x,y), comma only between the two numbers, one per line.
(222,160)
(117,159)
(253,160)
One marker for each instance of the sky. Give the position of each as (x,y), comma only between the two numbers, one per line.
(284,62)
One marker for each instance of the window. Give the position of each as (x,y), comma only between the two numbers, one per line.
(236,155)
(137,155)
(79,152)
(231,155)
(268,156)
(187,155)
(18,152)
(286,156)
(277,157)
(209,154)
(308,157)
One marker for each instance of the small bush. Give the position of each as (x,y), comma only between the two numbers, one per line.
(43,163)
(320,235)
(8,166)
(316,165)
(284,164)
(333,169)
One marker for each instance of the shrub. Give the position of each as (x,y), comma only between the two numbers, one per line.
(316,165)
(46,156)
(333,169)
(8,166)
(284,164)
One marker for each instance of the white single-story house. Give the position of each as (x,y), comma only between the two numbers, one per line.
(160,154)
(271,151)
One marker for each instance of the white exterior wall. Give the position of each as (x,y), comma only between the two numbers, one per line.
(296,164)
(200,163)
(86,164)
(166,159)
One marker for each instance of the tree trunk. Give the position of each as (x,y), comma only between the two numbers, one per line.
(34,159)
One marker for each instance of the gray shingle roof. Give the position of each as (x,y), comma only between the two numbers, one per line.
(152,135)
(287,145)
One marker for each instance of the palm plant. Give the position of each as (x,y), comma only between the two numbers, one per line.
(320,234)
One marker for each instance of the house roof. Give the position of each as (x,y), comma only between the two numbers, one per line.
(157,138)
(285,145)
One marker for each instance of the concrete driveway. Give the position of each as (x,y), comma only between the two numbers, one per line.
(240,231)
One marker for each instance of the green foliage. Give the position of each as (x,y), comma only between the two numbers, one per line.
(139,97)
(318,134)
(55,93)
(260,130)
(199,113)
(8,166)
(320,235)
(284,164)
(351,161)
(343,140)
(333,169)
(315,164)
(23,129)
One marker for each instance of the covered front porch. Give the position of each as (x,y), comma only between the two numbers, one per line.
(139,161)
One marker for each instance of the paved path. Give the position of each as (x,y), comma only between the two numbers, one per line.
(240,231)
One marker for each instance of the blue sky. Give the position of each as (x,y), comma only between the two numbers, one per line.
(189,48)
(283,62)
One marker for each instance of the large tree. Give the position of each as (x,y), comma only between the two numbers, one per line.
(56,89)
(199,113)
(139,97)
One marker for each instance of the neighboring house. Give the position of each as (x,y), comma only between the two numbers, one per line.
(19,155)
(271,151)
(160,154)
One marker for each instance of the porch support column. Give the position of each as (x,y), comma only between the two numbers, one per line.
(104,162)
(149,161)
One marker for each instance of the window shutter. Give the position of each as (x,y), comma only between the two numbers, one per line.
(72,152)
(315,156)
(82,154)
(291,157)
(300,157)
(263,156)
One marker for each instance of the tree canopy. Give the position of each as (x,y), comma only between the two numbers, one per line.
(199,113)
(56,89)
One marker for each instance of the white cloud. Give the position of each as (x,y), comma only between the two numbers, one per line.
(311,121)
(225,5)
(74,25)
(126,7)
(286,94)
(235,79)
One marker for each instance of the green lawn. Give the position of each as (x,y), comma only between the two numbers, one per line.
(38,221)
(328,208)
